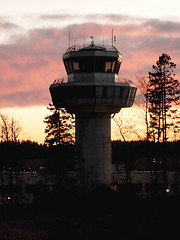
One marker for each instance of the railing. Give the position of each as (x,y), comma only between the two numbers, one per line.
(60,80)
(117,80)
(87,46)
(124,80)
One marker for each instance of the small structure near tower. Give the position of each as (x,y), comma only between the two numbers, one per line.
(93,93)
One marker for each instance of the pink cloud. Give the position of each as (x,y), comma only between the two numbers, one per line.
(30,63)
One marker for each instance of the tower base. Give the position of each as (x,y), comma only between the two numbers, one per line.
(93,136)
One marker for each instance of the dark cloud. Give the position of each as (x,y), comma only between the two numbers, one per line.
(6,25)
(153,24)
(96,18)
(23,99)
(58,17)
(162,26)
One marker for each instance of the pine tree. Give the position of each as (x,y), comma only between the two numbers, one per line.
(59,127)
(162,93)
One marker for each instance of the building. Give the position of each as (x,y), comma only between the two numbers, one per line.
(93,93)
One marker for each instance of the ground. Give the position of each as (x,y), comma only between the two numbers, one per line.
(103,212)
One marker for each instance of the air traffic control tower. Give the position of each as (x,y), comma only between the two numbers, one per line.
(93,93)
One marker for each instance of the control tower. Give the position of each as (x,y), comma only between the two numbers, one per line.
(93,93)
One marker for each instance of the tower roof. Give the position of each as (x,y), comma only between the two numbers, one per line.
(92,46)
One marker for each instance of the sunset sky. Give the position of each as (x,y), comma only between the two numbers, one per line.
(34,35)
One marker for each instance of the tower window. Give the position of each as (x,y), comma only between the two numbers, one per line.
(70,66)
(108,67)
(113,65)
(76,66)
(104,92)
(92,64)
(118,64)
(67,67)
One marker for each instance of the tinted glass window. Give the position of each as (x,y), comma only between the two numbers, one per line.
(108,67)
(118,64)
(70,66)
(76,66)
(113,65)
(77,92)
(100,64)
(86,64)
(93,64)
(67,67)
(104,92)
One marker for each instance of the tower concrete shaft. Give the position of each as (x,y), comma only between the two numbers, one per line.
(93,135)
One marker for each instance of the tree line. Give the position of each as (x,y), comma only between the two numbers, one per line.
(17,154)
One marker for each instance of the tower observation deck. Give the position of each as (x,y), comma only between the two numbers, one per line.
(93,92)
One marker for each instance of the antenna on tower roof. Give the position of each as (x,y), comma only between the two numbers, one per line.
(69,38)
(92,39)
(115,40)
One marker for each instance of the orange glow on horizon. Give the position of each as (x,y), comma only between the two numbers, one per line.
(31,121)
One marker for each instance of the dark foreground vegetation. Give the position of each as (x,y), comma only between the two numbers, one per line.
(138,155)
(70,211)
(99,213)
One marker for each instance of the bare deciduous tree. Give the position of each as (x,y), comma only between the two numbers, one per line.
(174,115)
(143,87)
(4,128)
(10,128)
(127,127)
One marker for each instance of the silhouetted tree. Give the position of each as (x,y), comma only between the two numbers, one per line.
(175,118)
(162,92)
(59,127)
(11,161)
(10,128)
(127,127)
